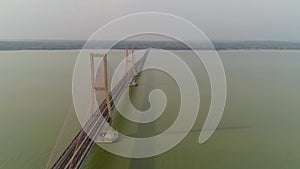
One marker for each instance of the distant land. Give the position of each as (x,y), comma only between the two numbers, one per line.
(170,45)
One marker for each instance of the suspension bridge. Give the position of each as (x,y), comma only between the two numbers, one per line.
(77,151)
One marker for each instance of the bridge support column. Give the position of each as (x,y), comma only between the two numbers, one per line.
(129,67)
(110,135)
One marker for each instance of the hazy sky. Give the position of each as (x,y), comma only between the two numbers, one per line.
(219,19)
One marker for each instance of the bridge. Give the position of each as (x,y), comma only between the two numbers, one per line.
(77,151)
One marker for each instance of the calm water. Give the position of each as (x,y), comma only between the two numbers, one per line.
(35,98)
(259,128)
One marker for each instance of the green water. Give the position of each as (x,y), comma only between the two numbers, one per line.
(35,98)
(259,128)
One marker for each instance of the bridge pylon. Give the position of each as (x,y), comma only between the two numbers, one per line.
(129,64)
(110,135)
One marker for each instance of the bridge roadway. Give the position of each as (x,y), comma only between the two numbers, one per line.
(75,153)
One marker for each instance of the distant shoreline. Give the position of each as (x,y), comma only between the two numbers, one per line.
(6,45)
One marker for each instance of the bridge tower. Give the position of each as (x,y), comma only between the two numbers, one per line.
(130,62)
(110,135)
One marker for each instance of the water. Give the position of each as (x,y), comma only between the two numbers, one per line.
(35,98)
(259,128)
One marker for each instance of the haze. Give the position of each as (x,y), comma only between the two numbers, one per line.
(220,20)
